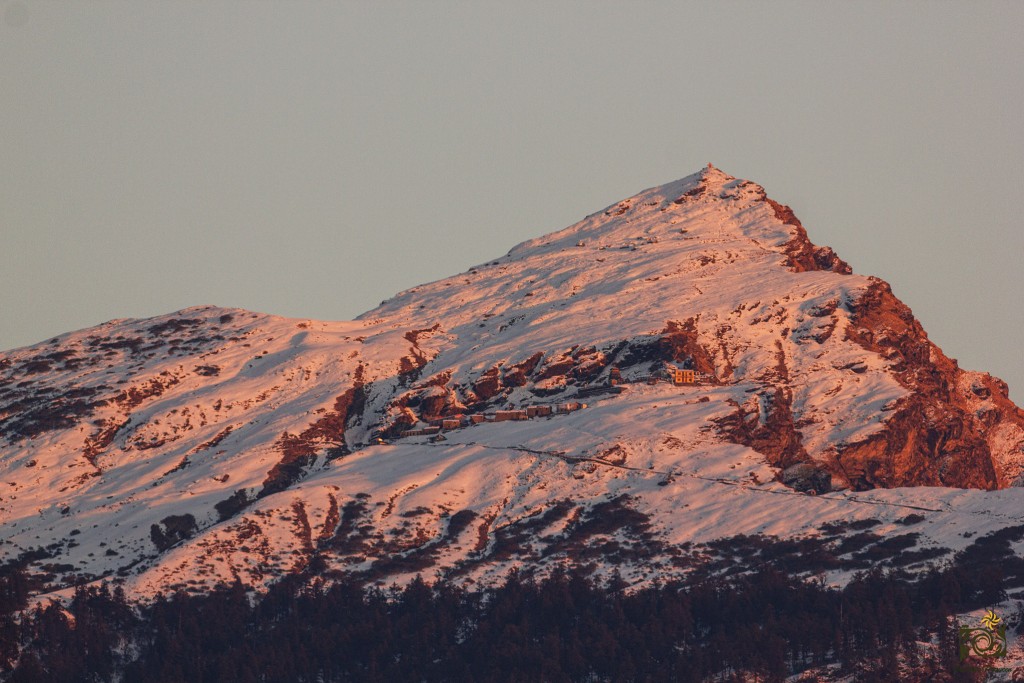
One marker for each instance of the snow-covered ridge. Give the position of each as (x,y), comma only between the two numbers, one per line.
(210,443)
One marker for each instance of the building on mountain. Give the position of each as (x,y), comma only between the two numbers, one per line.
(425,431)
(683,377)
(506,415)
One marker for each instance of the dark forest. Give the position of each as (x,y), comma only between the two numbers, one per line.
(759,625)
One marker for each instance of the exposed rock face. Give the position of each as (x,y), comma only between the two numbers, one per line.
(807,477)
(801,254)
(775,436)
(943,432)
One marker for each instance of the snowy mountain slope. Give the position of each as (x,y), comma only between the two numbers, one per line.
(521,495)
(212,443)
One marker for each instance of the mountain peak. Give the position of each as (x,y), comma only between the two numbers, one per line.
(710,179)
(712,174)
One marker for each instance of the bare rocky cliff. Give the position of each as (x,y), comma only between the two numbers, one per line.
(955,428)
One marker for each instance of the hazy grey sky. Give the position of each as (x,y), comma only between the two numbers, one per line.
(310,159)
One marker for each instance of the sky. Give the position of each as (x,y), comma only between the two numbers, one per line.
(310,159)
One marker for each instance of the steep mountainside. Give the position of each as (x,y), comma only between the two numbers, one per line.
(214,444)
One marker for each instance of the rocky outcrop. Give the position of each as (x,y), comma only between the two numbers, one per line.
(299,451)
(801,254)
(807,478)
(940,434)
(775,436)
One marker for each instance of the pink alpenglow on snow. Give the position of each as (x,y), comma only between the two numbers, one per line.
(525,412)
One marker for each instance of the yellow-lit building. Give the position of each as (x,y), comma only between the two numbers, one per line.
(684,377)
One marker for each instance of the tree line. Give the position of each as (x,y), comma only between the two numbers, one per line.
(761,625)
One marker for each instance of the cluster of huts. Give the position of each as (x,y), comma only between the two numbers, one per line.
(675,375)
(459,421)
